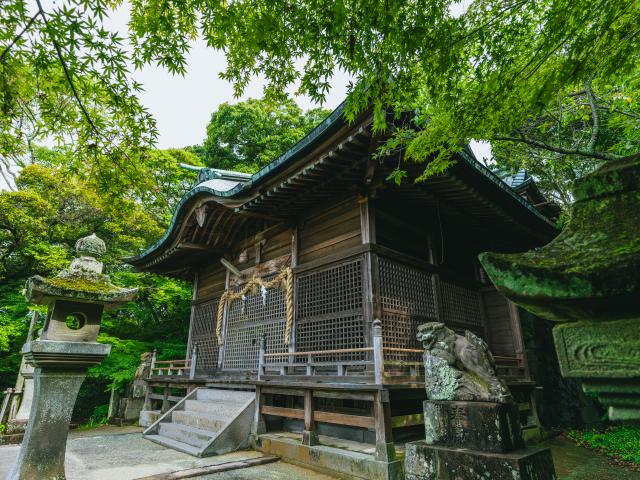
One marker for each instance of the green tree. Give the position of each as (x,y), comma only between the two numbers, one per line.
(52,207)
(469,71)
(479,72)
(247,135)
(588,119)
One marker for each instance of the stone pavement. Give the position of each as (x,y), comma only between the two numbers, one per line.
(107,453)
(120,452)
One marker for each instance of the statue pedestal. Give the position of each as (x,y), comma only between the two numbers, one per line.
(60,369)
(429,462)
(474,441)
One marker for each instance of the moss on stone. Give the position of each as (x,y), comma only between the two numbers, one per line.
(84,284)
(596,257)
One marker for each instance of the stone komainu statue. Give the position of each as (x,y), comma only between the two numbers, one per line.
(459,367)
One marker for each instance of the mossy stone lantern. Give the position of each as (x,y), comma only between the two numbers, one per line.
(67,347)
(588,278)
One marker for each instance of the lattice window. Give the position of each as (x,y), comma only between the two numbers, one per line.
(408,300)
(330,310)
(247,322)
(406,289)
(460,305)
(203,333)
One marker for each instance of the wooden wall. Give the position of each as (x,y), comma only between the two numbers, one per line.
(329,230)
(500,323)
(211,281)
(403,229)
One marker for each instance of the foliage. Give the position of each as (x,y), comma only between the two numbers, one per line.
(98,417)
(14,325)
(621,441)
(483,70)
(567,124)
(472,70)
(39,225)
(64,76)
(247,135)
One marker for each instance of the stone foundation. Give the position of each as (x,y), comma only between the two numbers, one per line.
(429,462)
(474,441)
(484,426)
(148,417)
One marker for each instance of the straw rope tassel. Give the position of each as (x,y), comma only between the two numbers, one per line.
(284,280)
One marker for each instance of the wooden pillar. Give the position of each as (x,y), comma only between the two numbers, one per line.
(378,352)
(194,361)
(165,399)
(309,434)
(259,426)
(261,359)
(385,450)
(194,297)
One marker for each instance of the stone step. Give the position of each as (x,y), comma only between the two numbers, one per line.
(220,410)
(234,396)
(186,434)
(200,420)
(174,444)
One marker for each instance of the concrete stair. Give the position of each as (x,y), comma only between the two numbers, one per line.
(206,422)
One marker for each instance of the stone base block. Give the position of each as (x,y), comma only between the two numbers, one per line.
(11,439)
(484,426)
(336,462)
(430,462)
(603,356)
(148,417)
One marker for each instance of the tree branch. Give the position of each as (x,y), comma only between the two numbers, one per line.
(6,179)
(18,37)
(608,157)
(594,115)
(65,68)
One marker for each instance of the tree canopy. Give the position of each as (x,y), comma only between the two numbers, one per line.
(50,207)
(482,70)
(476,73)
(247,135)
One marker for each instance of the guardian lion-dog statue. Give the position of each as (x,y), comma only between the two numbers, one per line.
(459,367)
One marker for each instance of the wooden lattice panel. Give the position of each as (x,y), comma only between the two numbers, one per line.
(408,299)
(247,322)
(461,306)
(203,333)
(406,290)
(330,309)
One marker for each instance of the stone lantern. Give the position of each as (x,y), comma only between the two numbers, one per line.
(67,347)
(588,280)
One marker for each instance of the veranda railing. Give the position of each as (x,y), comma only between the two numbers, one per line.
(383,363)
